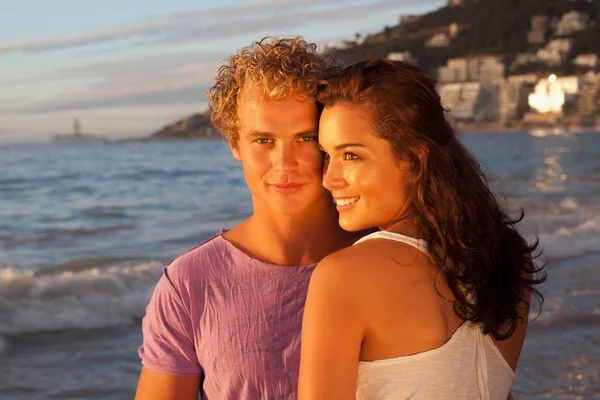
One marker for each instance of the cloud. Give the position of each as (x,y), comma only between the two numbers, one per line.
(213,24)
(139,68)
(170,77)
(186,85)
(151,30)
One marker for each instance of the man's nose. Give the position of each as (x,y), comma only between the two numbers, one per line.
(284,157)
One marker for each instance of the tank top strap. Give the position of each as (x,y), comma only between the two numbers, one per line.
(481,363)
(417,243)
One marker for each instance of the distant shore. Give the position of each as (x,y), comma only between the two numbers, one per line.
(199,127)
(517,126)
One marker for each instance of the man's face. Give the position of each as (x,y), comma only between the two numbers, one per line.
(279,152)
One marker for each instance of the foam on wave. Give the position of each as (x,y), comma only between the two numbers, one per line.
(88,299)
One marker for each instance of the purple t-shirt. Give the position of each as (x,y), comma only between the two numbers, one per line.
(229,318)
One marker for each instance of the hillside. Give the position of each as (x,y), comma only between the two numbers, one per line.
(487,27)
(196,126)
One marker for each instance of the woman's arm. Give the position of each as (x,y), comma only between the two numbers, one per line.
(332,332)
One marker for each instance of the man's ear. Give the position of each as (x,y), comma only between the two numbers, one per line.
(233,146)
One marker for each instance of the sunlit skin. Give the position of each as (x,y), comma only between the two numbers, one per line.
(380,299)
(294,221)
(361,172)
(279,152)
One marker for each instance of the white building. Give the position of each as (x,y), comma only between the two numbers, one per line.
(562,45)
(550,57)
(439,40)
(525,58)
(401,56)
(471,101)
(408,19)
(540,23)
(524,78)
(586,60)
(539,27)
(514,98)
(454,29)
(572,22)
(552,94)
(486,69)
(555,52)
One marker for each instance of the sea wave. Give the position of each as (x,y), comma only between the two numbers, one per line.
(85,299)
(578,240)
(565,227)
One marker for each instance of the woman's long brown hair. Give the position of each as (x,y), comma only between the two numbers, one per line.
(473,242)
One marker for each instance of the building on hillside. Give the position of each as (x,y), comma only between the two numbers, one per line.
(489,69)
(536,37)
(401,56)
(514,99)
(524,59)
(470,101)
(555,52)
(540,23)
(550,57)
(589,100)
(486,69)
(571,22)
(524,78)
(454,30)
(408,19)
(539,28)
(591,76)
(438,40)
(587,60)
(562,45)
(555,95)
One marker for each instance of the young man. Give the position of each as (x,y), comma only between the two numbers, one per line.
(225,317)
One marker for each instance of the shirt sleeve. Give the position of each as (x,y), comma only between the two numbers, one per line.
(168,339)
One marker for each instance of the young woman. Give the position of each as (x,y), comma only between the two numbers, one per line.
(435,305)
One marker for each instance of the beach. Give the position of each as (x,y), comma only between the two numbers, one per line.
(86,228)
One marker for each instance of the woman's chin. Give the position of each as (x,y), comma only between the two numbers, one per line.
(353,225)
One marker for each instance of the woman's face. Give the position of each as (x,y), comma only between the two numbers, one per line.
(366,180)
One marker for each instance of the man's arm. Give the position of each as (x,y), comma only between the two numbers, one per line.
(171,370)
(158,386)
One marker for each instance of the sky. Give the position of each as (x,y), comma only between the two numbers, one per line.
(129,67)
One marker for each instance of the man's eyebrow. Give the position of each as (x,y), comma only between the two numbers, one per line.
(304,133)
(255,133)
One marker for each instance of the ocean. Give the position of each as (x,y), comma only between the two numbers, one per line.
(85,230)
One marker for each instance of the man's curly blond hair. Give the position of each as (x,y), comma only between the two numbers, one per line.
(280,66)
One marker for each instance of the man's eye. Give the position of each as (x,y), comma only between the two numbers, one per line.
(263,141)
(308,138)
(350,156)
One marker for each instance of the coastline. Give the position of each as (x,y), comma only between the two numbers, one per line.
(519,126)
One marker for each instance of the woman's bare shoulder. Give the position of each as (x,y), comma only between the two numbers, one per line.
(371,262)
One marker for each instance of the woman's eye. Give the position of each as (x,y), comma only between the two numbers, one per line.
(350,156)
(325,156)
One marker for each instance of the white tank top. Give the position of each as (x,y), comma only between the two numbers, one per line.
(468,366)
